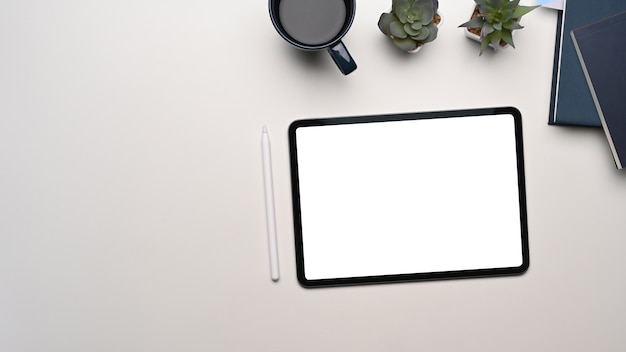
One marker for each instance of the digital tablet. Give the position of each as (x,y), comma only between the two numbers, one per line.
(406,197)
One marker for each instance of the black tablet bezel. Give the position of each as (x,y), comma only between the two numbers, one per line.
(297,220)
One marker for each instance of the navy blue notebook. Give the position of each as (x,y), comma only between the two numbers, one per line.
(601,49)
(571,102)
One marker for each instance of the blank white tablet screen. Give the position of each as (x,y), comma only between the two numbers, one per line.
(410,196)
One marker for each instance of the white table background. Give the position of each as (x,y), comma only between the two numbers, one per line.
(131,193)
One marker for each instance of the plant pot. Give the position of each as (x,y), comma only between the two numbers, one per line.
(468,33)
(438,16)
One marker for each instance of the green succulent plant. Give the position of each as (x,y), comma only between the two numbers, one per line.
(410,23)
(497,19)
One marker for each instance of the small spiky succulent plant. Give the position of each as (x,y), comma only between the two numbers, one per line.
(410,23)
(497,19)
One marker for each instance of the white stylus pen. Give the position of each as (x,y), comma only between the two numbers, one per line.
(269,205)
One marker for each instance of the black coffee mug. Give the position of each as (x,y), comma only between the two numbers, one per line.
(316,25)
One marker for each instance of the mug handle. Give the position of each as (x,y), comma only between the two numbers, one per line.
(342,58)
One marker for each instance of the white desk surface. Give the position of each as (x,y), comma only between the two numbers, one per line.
(131,190)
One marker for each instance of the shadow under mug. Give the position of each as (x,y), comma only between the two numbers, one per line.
(335,46)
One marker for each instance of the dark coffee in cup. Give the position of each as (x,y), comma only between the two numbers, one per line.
(312,22)
(315,25)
